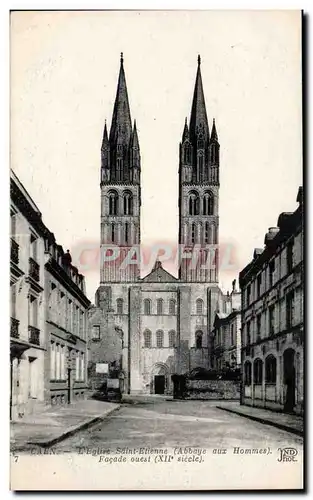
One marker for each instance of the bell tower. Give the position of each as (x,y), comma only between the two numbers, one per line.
(198,193)
(120,193)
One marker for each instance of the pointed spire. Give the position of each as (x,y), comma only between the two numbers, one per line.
(135,142)
(198,115)
(105,140)
(214,136)
(121,120)
(185,132)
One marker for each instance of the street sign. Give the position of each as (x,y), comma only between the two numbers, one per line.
(102,368)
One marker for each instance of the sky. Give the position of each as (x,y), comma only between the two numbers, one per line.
(64,70)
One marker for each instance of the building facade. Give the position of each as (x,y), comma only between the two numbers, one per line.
(66,331)
(161,324)
(226,335)
(48,343)
(272,318)
(27,333)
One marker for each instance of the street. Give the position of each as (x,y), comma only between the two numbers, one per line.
(158,423)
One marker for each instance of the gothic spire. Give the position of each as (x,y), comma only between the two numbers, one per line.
(214,136)
(198,117)
(186,131)
(121,121)
(105,140)
(135,142)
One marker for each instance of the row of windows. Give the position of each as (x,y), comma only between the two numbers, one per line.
(147,307)
(258,324)
(213,153)
(147,303)
(206,207)
(125,207)
(125,236)
(59,355)
(270,371)
(64,312)
(199,233)
(267,278)
(147,337)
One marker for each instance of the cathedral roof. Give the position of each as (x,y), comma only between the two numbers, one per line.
(198,117)
(158,274)
(121,126)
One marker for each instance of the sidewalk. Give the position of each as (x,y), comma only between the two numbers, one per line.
(289,423)
(57,423)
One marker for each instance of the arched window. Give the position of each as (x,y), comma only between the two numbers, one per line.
(208,203)
(199,336)
(193,232)
(113,201)
(199,306)
(147,307)
(258,371)
(147,338)
(247,373)
(119,168)
(119,306)
(193,203)
(113,233)
(213,233)
(172,307)
(172,338)
(159,338)
(160,306)
(206,233)
(270,369)
(126,232)
(200,166)
(128,203)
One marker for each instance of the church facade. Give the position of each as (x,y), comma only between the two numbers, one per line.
(154,326)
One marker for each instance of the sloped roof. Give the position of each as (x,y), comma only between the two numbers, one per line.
(158,274)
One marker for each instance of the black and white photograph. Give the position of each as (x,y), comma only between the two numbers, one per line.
(156,250)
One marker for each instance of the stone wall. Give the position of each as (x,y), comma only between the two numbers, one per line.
(213,389)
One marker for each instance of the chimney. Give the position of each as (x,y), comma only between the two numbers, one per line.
(270,235)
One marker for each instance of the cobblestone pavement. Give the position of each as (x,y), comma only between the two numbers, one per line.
(159,423)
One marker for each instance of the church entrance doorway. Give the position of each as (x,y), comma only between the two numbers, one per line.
(159,384)
(159,381)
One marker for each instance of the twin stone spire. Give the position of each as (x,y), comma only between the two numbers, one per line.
(120,152)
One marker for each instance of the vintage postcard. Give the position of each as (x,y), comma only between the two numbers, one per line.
(156,266)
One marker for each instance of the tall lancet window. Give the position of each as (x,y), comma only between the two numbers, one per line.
(126,233)
(206,233)
(214,154)
(208,203)
(128,203)
(200,164)
(193,203)
(119,167)
(113,233)
(113,200)
(193,232)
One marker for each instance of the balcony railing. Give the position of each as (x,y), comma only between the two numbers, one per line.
(14,328)
(34,335)
(14,251)
(34,269)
